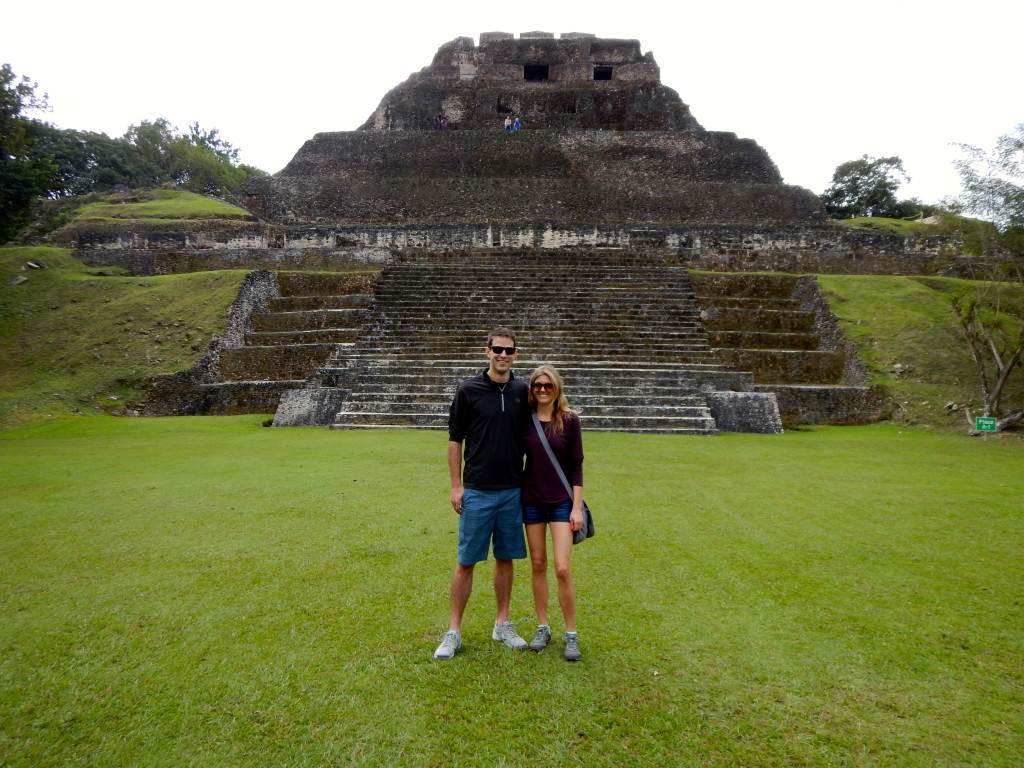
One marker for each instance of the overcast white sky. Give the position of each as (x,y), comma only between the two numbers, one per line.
(815,83)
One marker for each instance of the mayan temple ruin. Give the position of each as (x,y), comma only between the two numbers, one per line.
(549,183)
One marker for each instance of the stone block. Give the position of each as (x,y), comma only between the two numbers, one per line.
(754,412)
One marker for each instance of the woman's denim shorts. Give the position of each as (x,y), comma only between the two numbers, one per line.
(557,514)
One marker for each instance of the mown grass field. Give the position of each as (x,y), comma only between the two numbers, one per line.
(204,591)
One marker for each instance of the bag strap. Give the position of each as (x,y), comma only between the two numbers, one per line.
(551,454)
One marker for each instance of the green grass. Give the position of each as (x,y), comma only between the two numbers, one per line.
(73,337)
(897,226)
(158,205)
(207,592)
(905,331)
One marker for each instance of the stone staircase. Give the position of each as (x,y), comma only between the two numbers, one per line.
(780,328)
(624,330)
(313,314)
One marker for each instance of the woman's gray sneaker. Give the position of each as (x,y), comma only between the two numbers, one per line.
(540,640)
(506,633)
(451,641)
(572,648)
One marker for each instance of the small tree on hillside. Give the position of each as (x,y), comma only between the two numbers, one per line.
(867,187)
(991,314)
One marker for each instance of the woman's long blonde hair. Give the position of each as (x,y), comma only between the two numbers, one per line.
(561,402)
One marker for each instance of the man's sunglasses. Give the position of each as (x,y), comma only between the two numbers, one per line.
(506,350)
(545,385)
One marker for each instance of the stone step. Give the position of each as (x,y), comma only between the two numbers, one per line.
(582,399)
(763,340)
(739,302)
(729,319)
(746,285)
(310,303)
(561,334)
(538,324)
(326,283)
(278,363)
(561,347)
(314,336)
(308,319)
(673,358)
(577,380)
(441,408)
(697,425)
(598,285)
(238,397)
(783,366)
(398,367)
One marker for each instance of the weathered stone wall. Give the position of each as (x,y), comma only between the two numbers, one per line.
(828,249)
(152,260)
(827,405)
(681,178)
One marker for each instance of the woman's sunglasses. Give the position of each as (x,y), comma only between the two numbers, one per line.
(545,385)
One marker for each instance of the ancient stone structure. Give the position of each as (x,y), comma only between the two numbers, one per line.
(577,230)
(603,143)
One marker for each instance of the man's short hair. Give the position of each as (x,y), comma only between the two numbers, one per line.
(501,331)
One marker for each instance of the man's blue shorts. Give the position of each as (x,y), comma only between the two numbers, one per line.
(487,516)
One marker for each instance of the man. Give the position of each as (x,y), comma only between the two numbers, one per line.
(489,413)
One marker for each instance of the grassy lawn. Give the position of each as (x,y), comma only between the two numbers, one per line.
(203,591)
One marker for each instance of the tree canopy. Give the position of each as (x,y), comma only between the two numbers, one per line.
(38,159)
(992,187)
(867,187)
(24,173)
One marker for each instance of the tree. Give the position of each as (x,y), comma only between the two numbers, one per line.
(991,314)
(866,187)
(199,161)
(24,173)
(92,162)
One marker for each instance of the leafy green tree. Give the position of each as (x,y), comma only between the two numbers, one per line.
(866,187)
(991,314)
(199,161)
(24,173)
(92,162)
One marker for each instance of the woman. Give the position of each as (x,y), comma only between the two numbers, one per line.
(547,504)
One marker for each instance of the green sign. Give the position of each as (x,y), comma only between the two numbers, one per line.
(984,424)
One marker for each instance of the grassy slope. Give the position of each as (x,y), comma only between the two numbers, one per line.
(207,592)
(158,204)
(905,331)
(70,333)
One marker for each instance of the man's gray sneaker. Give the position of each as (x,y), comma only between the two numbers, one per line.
(451,641)
(506,633)
(572,648)
(540,640)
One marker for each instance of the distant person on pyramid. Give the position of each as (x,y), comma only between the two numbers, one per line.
(547,503)
(508,123)
(516,125)
(489,414)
